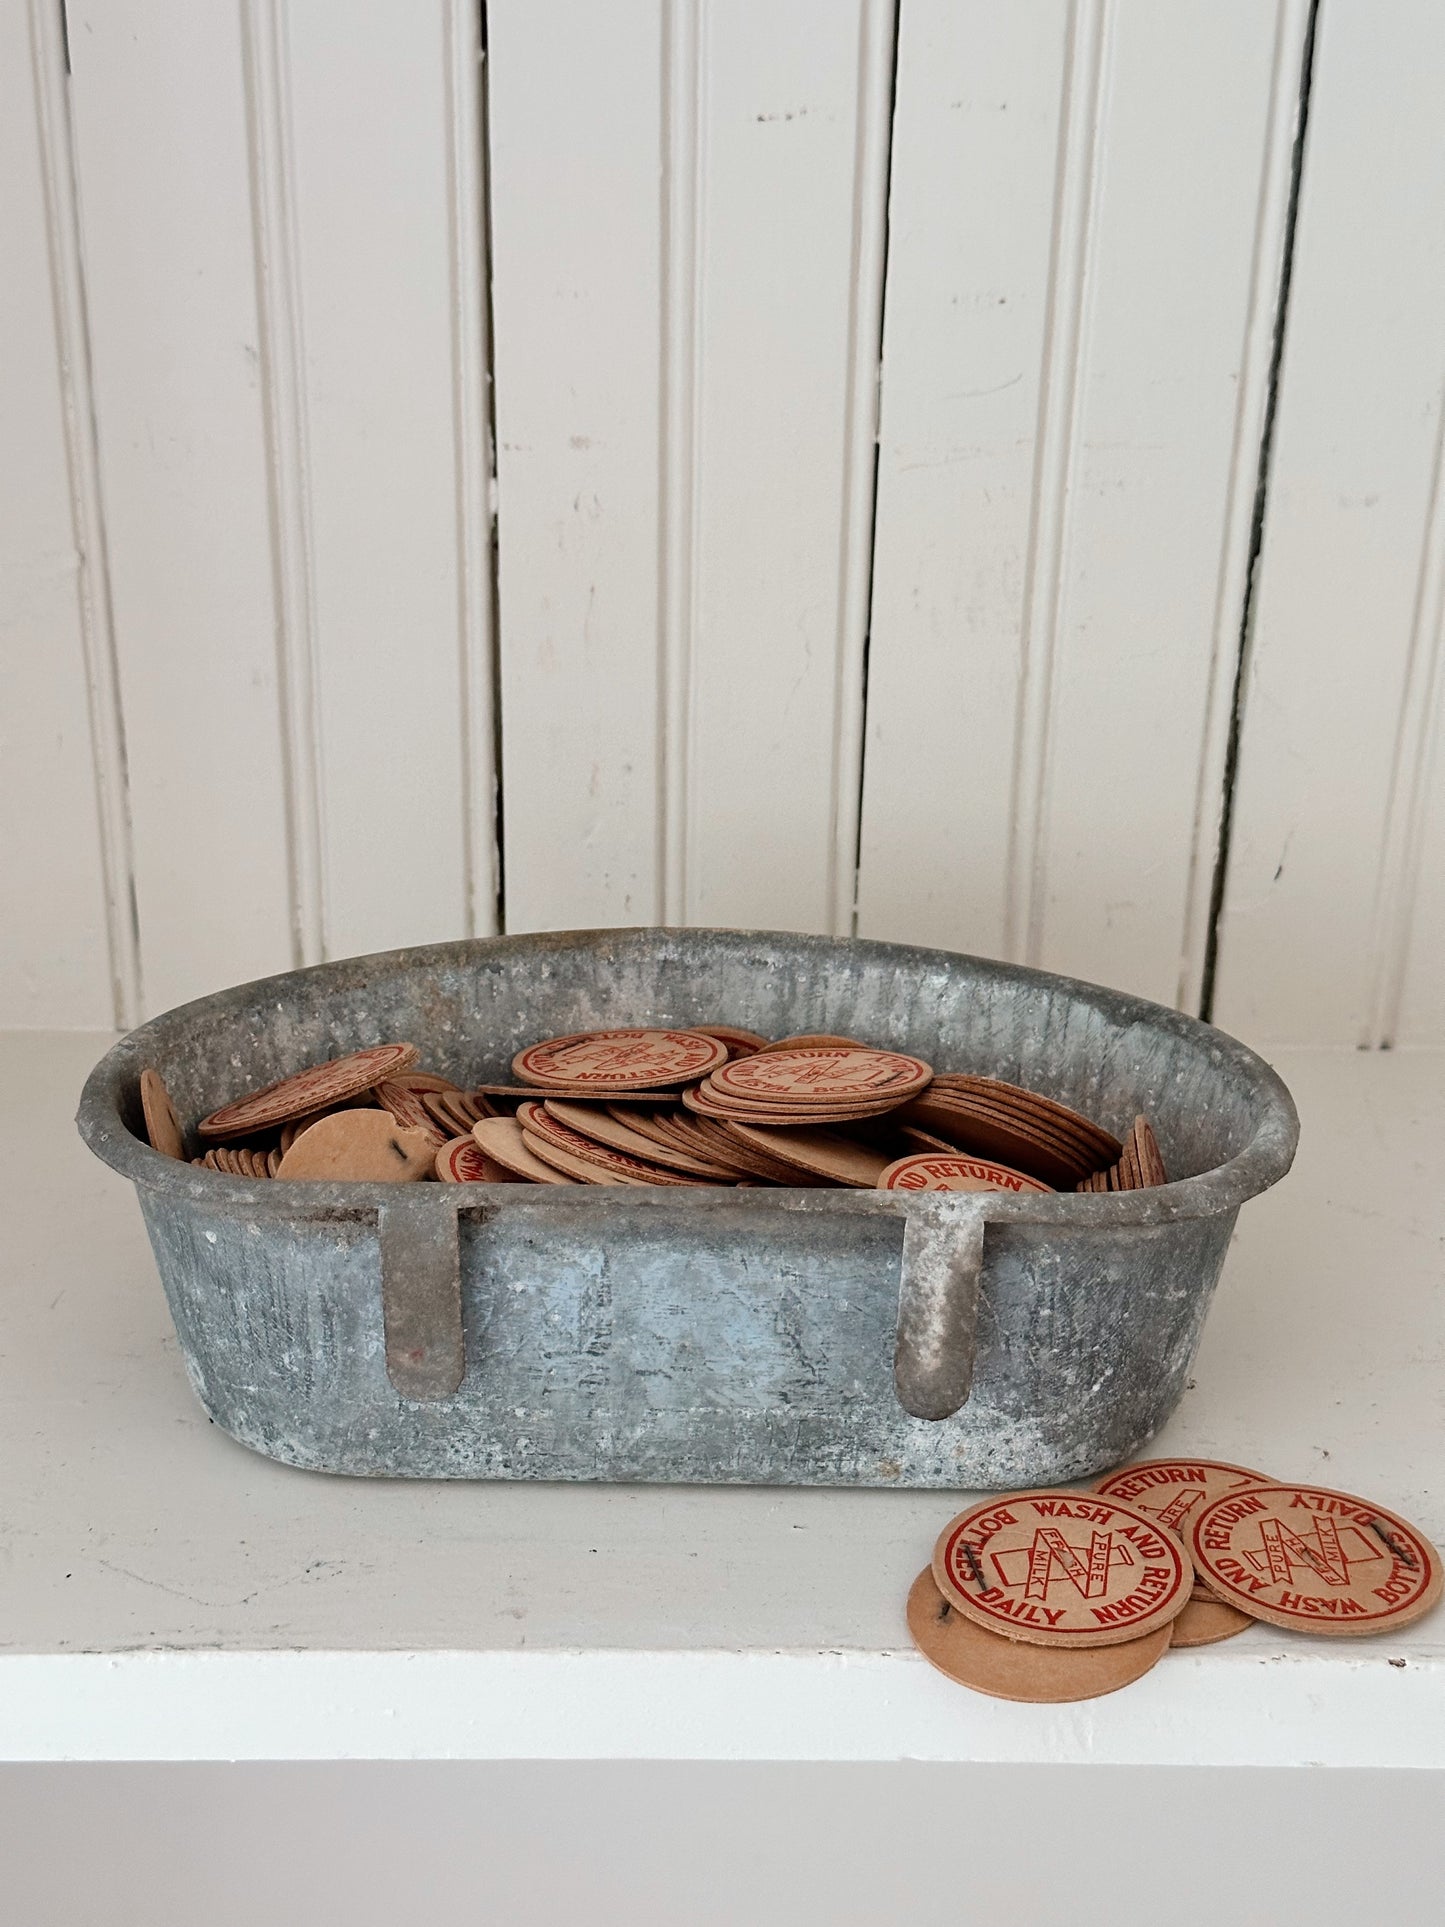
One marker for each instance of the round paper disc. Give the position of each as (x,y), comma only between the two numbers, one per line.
(619,1134)
(1174,1491)
(739,1042)
(821,1074)
(163,1127)
(807,1039)
(1315,1561)
(360,1147)
(1008,1670)
(1205,1621)
(463,1161)
(540,1127)
(620,1060)
(825,1154)
(1063,1569)
(501,1138)
(953,1171)
(313,1089)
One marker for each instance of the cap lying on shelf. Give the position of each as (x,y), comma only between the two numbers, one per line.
(1085,1575)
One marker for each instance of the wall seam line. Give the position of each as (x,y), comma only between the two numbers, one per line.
(1261,307)
(873,145)
(1416,732)
(50,70)
(472,444)
(270,160)
(1245,648)
(1065,340)
(681,270)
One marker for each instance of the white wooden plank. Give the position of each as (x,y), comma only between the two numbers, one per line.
(160,129)
(1332,804)
(786,170)
(1073,387)
(974,162)
(56,965)
(575,141)
(1194,136)
(365,248)
(685,422)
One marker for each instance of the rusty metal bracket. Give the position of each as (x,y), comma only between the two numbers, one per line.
(421,1291)
(938,1303)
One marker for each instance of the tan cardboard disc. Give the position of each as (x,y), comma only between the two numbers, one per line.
(538,1124)
(1062,1569)
(757,1163)
(1173,1490)
(1007,1669)
(1131,1177)
(702,1100)
(313,1089)
(815,1039)
(501,1138)
(656,1129)
(581,1170)
(1059,1118)
(982,1133)
(1205,1621)
(229,1159)
(739,1042)
(1314,1560)
(820,1073)
(824,1153)
(984,1120)
(364,1147)
(603,1128)
(620,1060)
(794,1110)
(955,1171)
(163,1127)
(410,1108)
(294,1126)
(463,1161)
(455,1112)
(1143,1153)
(416,1080)
(576,1093)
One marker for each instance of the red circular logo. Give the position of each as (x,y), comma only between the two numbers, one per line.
(620,1060)
(1063,1569)
(1314,1560)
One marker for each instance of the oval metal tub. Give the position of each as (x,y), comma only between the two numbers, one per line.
(744,1336)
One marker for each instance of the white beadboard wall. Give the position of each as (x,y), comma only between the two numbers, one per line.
(774,462)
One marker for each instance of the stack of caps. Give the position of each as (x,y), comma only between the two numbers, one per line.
(1052,1596)
(707,1105)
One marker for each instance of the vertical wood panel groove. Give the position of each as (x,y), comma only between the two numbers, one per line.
(49,69)
(270,152)
(1257,351)
(471,359)
(1416,737)
(684,52)
(877,51)
(1065,346)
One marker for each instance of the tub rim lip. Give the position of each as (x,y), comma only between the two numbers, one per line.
(1254,1168)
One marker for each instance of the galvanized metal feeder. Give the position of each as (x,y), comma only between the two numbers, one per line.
(737,1336)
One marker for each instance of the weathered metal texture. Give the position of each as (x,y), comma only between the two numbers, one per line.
(754,1336)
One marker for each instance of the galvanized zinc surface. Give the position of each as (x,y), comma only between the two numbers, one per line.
(738,1336)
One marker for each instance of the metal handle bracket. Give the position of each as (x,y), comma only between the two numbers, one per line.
(421,1292)
(938,1303)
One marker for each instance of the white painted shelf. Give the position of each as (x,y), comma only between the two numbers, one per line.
(165,1594)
